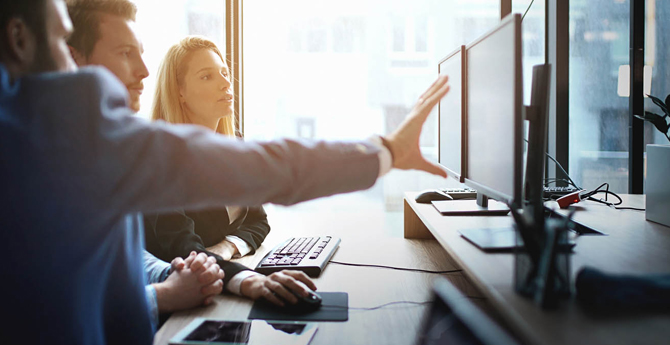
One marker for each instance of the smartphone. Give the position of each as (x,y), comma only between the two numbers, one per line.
(244,332)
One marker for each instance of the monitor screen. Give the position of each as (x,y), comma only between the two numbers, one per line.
(451,115)
(494,127)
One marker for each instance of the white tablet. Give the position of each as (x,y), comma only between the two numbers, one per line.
(244,332)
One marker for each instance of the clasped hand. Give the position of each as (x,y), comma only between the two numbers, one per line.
(194,281)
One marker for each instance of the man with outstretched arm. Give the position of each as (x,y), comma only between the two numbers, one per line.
(78,169)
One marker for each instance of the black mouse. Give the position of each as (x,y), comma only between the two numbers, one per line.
(426,197)
(304,305)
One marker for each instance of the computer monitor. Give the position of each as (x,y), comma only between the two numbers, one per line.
(453,319)
(494,126)
(451,116)
(537,115)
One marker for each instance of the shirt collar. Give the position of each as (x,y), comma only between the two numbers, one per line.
(6,87)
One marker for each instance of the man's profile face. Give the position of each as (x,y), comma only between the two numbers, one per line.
(120,50)
(52,53)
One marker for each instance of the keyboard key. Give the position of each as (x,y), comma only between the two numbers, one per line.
(310,245)
(296,261)
(285,261)
(267,262)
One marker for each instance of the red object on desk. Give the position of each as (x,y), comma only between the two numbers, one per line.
(569,199)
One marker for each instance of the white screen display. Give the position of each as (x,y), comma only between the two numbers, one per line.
(450,111)
(492,111)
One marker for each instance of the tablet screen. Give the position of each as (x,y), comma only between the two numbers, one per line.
(222,331)
(207,331)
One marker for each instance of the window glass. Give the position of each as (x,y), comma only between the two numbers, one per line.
(599,41)
(533,36)
(599,87)
(349,69)
(657,53)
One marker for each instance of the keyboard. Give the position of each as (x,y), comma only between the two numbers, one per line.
(461,193)
(550,192)
(555,192)
(307,254)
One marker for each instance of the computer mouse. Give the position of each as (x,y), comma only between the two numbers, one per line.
(304,305)
(426,197)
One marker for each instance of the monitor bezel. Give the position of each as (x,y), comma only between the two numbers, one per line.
(460,177)
(511,19)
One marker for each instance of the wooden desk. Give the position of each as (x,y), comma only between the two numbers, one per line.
(632,245)
(364,240)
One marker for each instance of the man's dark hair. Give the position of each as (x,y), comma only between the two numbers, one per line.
(85,15)
(33,13)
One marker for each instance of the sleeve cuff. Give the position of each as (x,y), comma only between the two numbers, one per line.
(156,270)
(153,305)
(234,286)
(385,159)
(241,245)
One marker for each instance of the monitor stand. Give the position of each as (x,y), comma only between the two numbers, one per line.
(480,207)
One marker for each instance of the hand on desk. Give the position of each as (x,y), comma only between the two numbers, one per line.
(193,282)
(259,286)
(404,141)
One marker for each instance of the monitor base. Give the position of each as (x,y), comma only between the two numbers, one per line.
(470,208)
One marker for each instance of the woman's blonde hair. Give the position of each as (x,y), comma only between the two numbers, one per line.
(166,105)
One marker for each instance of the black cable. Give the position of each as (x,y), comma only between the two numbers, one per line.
(563,170)
(524,14)
(391,303)
(548,181)
(559,166)
(395,268)
(629,208)
(606,202)
(377,307)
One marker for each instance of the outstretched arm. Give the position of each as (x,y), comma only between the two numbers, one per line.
(154,167)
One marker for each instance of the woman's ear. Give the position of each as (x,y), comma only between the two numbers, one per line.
(181,94)
(21,42)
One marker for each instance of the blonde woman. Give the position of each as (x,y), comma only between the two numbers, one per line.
(194,88)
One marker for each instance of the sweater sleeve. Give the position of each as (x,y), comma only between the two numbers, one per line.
(254,228)
(175,236)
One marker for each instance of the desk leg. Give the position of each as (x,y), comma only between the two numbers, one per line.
(414,227)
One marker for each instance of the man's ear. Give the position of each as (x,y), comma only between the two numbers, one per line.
(21,42)
(78,57)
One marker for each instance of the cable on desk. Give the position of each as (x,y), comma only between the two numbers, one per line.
(379,306)
(392,303)
(629,208)
(607,192)
(396,268)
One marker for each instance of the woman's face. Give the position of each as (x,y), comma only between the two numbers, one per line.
(205,89)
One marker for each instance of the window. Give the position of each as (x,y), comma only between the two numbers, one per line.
(599,116)
(599,40)
(533,37)
(657,53)
(350,70)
